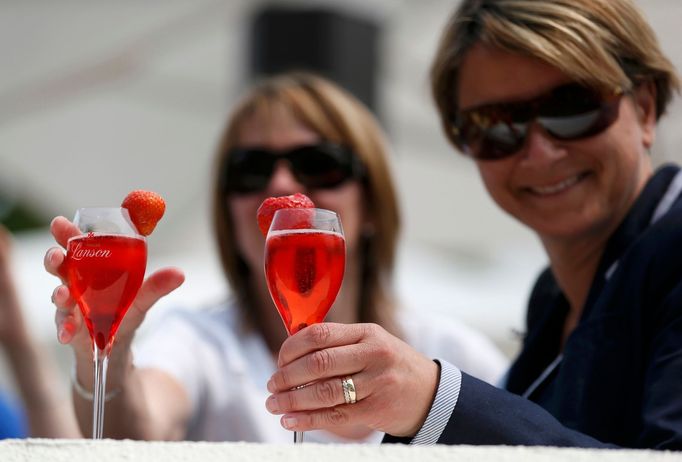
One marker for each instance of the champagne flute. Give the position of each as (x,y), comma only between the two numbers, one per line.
(105,268)
(305,257)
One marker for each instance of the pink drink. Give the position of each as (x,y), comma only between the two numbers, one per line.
(104,274)
(304,269)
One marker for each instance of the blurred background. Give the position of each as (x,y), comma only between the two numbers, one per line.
(98,98)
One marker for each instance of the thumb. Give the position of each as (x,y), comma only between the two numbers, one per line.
(157,285)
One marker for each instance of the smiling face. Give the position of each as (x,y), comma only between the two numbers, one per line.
(561,189)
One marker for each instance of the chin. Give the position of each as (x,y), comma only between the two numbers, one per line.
(571,229)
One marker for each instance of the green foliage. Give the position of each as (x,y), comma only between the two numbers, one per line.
(19,217)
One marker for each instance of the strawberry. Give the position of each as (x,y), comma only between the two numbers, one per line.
(145,208)
(270,205)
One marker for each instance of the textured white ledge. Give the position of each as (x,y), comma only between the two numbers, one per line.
(108,450)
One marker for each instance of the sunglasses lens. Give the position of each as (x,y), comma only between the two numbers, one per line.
(574,112)
(571,127)
(501,140)
(322,166)
(569,112)
(485,140)
(317,166)
(248,170)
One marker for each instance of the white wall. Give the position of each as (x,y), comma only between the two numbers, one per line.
(107,450)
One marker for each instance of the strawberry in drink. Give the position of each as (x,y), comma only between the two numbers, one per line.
(305,258)
(304,270)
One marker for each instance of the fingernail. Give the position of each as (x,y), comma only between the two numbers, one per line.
(289,422)
(271,386)
(69,327)
(63,335)
(272,404)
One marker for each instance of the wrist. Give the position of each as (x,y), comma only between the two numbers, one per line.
(429,397)
(88,395)
(443,405)
(118,369)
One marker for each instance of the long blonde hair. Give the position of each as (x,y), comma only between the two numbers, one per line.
(338,117)
(606,44)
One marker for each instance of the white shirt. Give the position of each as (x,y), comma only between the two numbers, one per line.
(224,369)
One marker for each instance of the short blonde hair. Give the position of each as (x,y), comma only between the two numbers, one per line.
(339,117)
(606,44)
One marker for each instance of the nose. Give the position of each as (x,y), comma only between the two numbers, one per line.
(540,147)
(283,182)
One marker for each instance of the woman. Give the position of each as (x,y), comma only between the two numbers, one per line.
(557,103)
(202,374)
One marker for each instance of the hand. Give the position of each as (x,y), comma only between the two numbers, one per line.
(395,385)
(71,328)
(12,325)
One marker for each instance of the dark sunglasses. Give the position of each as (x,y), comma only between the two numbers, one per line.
(568,112)
(324,165)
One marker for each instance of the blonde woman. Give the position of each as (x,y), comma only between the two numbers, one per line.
(556,102)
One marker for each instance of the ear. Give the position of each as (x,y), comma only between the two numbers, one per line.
(645,104)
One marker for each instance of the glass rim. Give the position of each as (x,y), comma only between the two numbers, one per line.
(318,211)
(92,210)
(122,212)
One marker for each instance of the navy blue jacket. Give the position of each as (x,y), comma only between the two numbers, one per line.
(619,379)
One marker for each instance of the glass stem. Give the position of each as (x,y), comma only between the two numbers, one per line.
(101,359)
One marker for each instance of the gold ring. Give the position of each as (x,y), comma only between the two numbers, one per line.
(348,386)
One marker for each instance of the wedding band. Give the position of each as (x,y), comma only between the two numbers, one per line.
(348,386)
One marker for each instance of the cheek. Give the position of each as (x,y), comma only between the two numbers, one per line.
(346,200)
(495,177)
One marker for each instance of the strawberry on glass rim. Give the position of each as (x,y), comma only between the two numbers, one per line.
(304,260)
(104,267)
(269,206)
(145,209)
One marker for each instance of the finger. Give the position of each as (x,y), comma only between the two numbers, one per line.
(62,230)
(67,318)
(53,262)
(345,414)
(320,336)
(321,364)
(319,395)
(68,324)
(157,285)
(61,297)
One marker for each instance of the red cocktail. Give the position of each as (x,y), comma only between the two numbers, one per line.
(305,258)
(304,270)
(104,274)
(104,267)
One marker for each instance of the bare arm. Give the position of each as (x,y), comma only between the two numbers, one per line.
(145,404)
(49,414)
(149,405)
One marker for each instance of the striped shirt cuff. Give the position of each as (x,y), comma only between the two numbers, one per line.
(443,405)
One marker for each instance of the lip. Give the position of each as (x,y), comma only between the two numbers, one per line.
(557,187)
